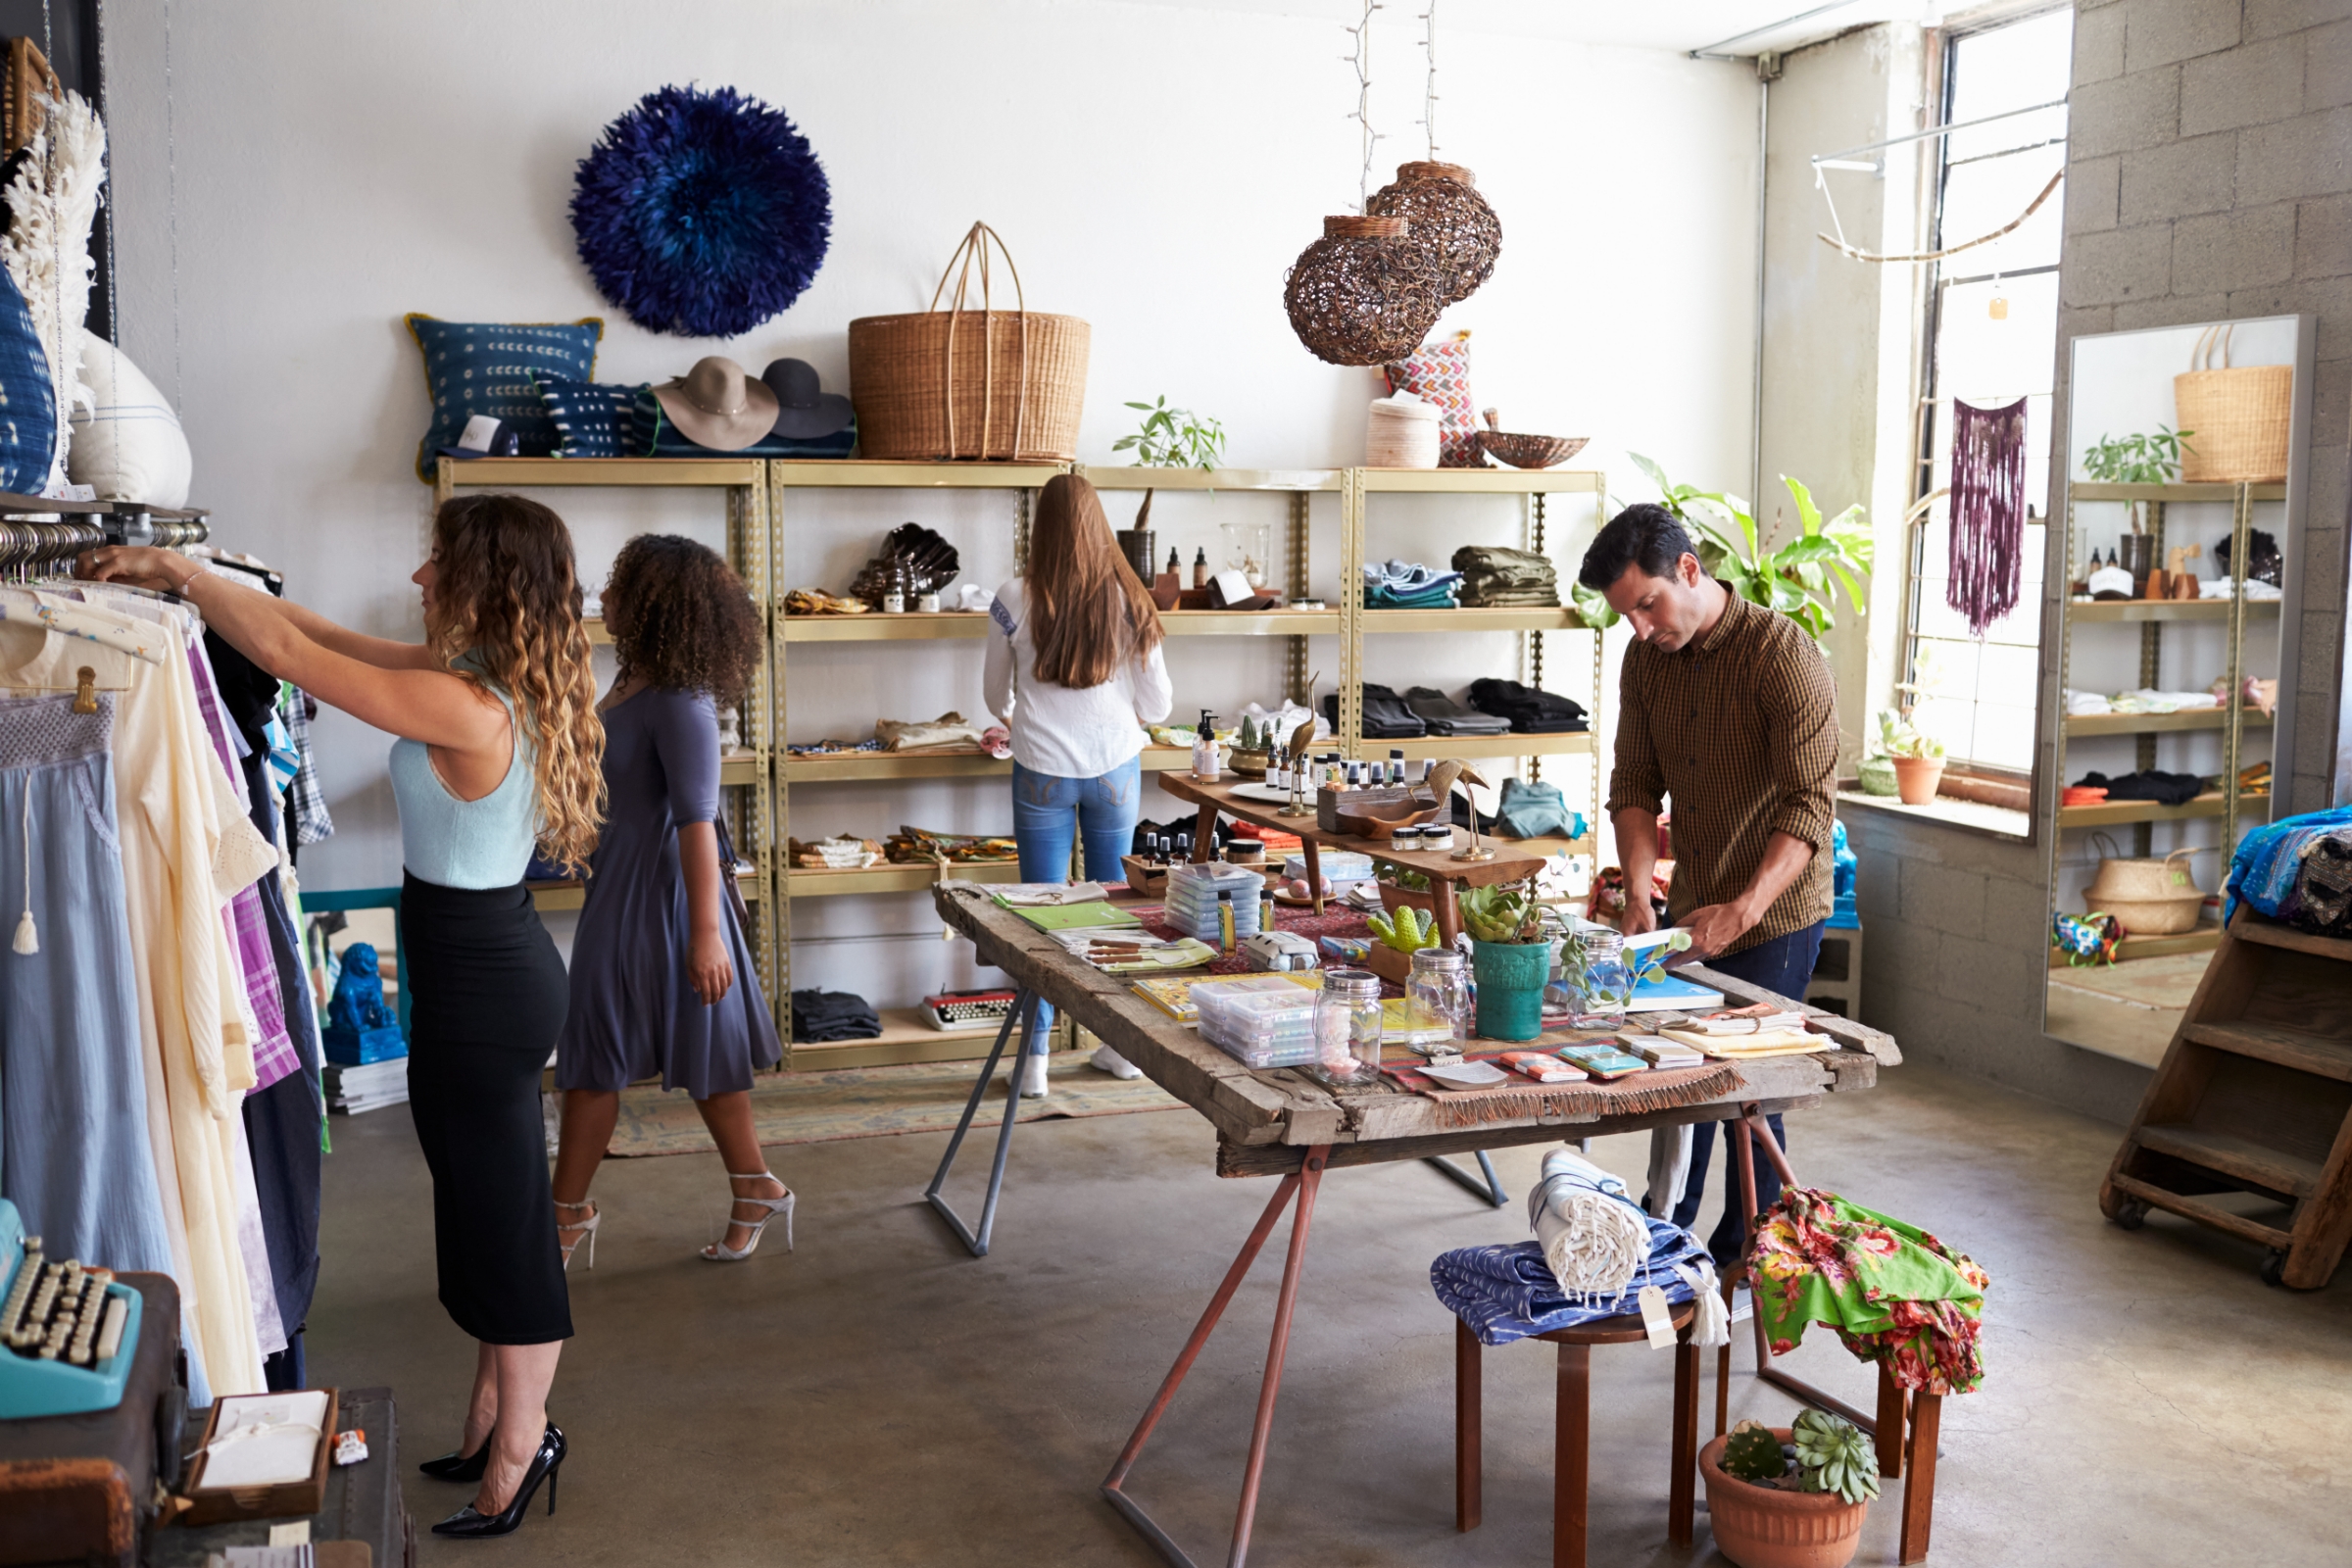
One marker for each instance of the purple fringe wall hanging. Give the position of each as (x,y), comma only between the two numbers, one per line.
(1988,511)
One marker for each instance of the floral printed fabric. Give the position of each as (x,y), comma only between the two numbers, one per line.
(1893,1294)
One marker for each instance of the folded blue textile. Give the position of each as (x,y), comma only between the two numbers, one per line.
(1378,597)
(2263,871)
(1507,1291)
(1408,576)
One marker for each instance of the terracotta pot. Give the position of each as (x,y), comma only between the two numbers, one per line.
(1916,778)
(1765,1527)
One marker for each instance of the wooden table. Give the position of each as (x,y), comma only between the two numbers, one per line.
(1438,866)
(1284,1124)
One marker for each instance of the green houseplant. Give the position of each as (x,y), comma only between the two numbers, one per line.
(1510,958)
(1799,578)
(1917,759)
(1790,1497)
(2135,460)
(1171,438)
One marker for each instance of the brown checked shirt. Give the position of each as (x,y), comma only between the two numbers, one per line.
(1740,731)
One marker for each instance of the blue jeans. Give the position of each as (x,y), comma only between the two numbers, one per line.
(1048,813)
(1783,966)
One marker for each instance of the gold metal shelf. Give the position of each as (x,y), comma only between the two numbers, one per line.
(2085,724)
(2109,813)
(1276,479)
(859,474)
(477,473)
(2142,610)
(906,1037)
(1509,618)
(1251,622)
(1481,481)
(551,897)
(1470,748)
(873,627)
(848,767)
(895,878)
(2083,490)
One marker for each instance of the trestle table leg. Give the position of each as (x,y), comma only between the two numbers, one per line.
(1016,1027)
(1489,1188)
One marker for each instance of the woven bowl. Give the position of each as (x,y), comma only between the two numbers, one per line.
(1530,451)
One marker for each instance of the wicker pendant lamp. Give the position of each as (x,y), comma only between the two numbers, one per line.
(1449,218)
(1365,293)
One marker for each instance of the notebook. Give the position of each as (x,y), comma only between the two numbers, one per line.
(1073,916)
(1668,993)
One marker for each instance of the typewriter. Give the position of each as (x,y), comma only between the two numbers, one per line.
(966,1009)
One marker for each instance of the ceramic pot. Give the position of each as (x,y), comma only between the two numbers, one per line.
(1249,763)
(1877,775)
(1510,978)
(1765,1527)
(1917,777)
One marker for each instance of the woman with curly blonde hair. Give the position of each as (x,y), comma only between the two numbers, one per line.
(662,973)
(500,749)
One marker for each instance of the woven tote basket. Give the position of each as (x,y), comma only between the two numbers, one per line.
(961,383)
(2152,897)
(2236,416)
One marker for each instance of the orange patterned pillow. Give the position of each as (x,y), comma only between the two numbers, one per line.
(1440,374)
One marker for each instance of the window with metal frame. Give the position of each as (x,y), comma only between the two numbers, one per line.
(1991,338)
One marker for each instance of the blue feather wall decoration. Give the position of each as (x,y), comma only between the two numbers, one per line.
(702,213)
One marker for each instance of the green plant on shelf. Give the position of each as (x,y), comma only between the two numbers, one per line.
(1503,913)
(2135,460)
(1799,578)
(1899,737)
(1173,438)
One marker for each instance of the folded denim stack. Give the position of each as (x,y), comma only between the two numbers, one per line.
(1529,710)
(1386,716)
(1446,716)
(1408,585)
(1494,578)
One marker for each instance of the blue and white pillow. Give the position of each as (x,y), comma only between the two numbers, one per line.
(492,368)
(27,399)
(591,418)
(654,435)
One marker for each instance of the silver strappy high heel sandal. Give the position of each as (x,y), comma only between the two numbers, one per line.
(719,1251)
(586,1229)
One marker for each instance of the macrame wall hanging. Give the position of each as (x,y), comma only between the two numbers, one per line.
(1371,288)
(1988,513)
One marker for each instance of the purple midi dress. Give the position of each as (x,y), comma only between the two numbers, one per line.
(635,1012)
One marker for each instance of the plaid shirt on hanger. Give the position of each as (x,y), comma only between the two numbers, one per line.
(303,799)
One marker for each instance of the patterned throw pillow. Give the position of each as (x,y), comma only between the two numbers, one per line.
(489,367)
(655,436)
(1440,374)
(591,418)
(27,399)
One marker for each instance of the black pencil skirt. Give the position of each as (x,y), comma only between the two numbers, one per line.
(486,1000)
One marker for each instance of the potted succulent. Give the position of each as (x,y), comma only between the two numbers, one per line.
(1252,748)
(1917,759)
(1510,958)
(1395,938)
(1790,1497)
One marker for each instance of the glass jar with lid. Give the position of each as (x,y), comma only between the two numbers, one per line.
(1608,986)
(1347,1027)
(1438,986)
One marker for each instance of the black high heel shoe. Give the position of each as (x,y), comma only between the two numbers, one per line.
(470,1522)
(459,1466)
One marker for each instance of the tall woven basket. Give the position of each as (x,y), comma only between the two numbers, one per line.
(2236,416)
(974,385)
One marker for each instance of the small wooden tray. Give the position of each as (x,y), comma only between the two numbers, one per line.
(283,1501)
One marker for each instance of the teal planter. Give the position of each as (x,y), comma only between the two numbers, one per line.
(1510,979)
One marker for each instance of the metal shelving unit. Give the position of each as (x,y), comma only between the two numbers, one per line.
(2151,617)
(747,776)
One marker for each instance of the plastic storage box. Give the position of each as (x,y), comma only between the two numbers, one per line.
(1260,1020)
(1196,891)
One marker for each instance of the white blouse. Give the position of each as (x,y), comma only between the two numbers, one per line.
(1064,731)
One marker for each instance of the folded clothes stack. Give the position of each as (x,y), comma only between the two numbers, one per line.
(2150,784)
(1446,716)
(1494,578)
(1529,710)
(948,731)
(914,846)
(1386,716)
(832,748)
(2257,591)
(820,1017)
(1408,585)
(840,854)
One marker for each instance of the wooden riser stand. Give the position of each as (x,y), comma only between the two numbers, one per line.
(2254,1095)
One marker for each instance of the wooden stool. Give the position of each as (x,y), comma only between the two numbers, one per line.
(1572,1458)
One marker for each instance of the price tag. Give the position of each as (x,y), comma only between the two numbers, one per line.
(1656,1318)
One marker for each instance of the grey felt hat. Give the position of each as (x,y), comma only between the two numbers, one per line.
(718,404)
(803,413)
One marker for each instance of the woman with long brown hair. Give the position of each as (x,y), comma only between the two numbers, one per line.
(1075,670)
(499,749)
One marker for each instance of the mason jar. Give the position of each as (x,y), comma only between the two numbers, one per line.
(1347,1027)
(1438,985)
(1609,985)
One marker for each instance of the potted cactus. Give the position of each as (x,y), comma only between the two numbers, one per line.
(1790,1497)
(1510,958)
(1252,748)
(1395,938)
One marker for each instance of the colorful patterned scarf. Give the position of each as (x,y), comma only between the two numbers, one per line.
(1893,1294)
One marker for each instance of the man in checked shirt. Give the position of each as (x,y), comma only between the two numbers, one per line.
(1728,709)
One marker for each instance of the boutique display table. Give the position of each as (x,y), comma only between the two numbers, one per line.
(1284,1124)
(1439,866)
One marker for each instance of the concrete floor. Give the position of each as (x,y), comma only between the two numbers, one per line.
(882,1398)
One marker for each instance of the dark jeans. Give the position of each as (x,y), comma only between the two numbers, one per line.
(1785,966)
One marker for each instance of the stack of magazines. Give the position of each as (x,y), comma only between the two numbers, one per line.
(351,1090)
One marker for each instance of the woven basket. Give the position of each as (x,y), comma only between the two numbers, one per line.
(2234,419)
(2152,897)
(1401,435)
(957,383)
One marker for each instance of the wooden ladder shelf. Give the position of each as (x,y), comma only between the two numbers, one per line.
(2254,1096)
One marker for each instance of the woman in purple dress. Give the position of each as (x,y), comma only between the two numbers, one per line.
(662,973)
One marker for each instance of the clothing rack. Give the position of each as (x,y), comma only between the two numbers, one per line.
(39,534)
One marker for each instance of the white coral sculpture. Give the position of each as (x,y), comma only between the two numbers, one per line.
(51,203)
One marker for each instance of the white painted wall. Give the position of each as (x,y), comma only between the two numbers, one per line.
(1156,169)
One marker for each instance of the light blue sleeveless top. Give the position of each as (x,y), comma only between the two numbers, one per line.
(466,844)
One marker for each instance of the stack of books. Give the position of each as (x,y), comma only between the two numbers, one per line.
(353,1090)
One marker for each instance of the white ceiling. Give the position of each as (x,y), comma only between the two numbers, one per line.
(1676,24)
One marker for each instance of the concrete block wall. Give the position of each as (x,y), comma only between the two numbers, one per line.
(2209,176)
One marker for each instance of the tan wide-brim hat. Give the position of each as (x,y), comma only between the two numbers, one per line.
(719,405)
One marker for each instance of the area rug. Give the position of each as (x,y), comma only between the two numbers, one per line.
(815,1107)
(2169,981)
